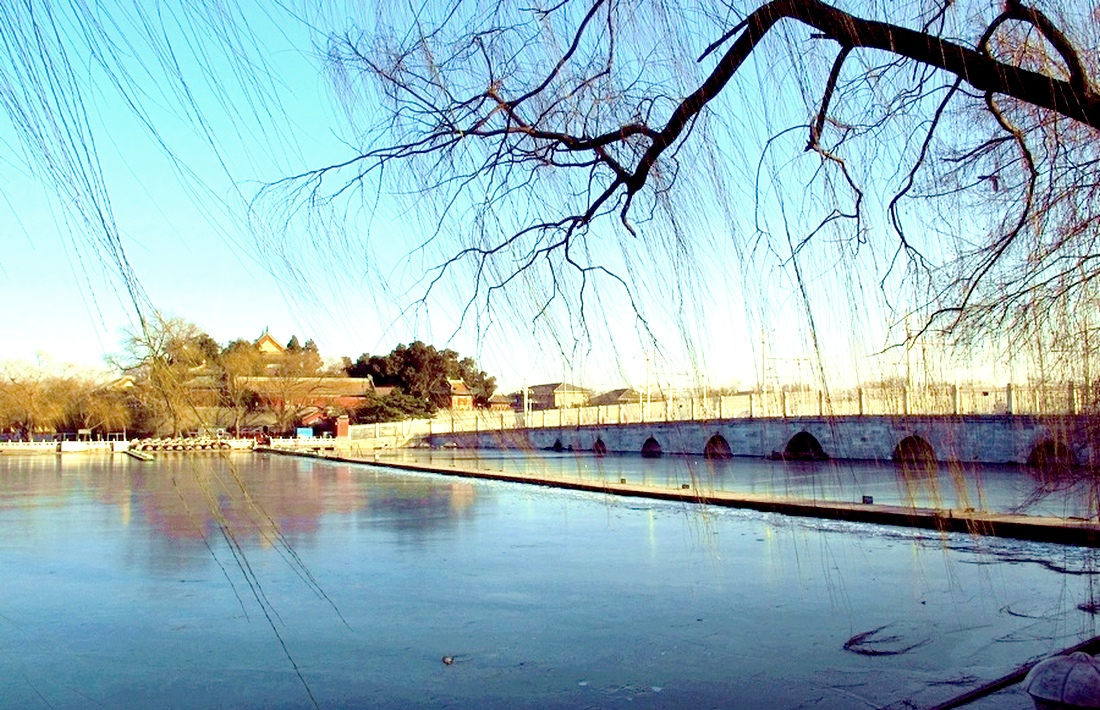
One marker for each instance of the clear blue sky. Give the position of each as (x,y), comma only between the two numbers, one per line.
(69,305)
(196,130)
(179,201)
(181,212)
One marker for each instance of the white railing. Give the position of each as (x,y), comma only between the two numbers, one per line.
(305,442)
(1069,398)
(87,446)
(28,446)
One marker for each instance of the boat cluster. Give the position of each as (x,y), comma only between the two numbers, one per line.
(194,443)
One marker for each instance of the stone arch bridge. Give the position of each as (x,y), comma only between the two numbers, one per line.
(994,439)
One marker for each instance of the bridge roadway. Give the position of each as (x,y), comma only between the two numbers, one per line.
(991,439)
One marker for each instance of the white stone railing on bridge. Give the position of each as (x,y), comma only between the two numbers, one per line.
(864,401)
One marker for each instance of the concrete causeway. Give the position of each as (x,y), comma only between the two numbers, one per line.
(1068,531)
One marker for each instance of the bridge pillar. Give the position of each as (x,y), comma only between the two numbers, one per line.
(861,407)
(905,400)
(955,399)
(1008,398)
(783,402)
(1071,399)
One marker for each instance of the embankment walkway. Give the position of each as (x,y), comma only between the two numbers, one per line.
(1022,527)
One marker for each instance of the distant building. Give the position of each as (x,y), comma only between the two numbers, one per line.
(501,403)
(268,345)
(556,395)
(461,397)
(311,391)
(126,382)
(204,384)
(314,417)
(625,395)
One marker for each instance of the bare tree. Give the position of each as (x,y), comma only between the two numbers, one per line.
(165,357)
(293,380)
(93,404)
(240,360)
(32,399)
(547,137)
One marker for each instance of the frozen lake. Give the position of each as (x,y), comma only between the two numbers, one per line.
(262,581)
(999,489)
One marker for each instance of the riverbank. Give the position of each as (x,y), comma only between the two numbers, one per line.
(1067,531)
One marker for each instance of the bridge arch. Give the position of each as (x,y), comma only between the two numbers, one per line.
(914,449)
(1050,454)
(651,449)
(599,448)
(717,448)
(804,446)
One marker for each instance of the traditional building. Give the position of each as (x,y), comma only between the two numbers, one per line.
(461,397)
(268,345)
(312,391)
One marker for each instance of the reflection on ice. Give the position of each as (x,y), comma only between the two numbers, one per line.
(917,483)
(253,498)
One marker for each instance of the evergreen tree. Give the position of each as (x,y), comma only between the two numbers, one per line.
(421,371)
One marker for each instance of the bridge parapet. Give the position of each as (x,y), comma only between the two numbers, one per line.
(938,400)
